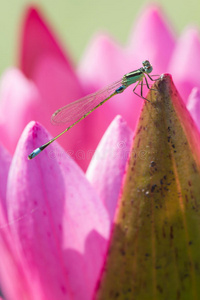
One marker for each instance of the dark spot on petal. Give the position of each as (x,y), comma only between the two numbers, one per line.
(153,187)
(153,163)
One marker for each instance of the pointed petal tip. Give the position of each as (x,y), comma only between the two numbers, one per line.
(153,9)
(31,11)
(164,91)
(102,37)
(117,125)
(34,135)
(119,119)
(33,128)
(166,76)
(107,167)
(165,80)
(38,40)
(152,29)
(106,49)
(153,13)
(100,43)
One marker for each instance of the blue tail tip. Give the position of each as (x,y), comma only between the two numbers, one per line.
(34,153)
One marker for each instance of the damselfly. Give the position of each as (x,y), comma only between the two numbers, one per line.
(76,111)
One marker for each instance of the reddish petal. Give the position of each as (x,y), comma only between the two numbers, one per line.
(152,39)
(185,62)
(193,105)
(38,41)
(57,212)
(43,60)
(107,167)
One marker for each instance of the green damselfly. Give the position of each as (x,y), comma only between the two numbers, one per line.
(76,111)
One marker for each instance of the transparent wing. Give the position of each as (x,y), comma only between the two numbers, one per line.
(72,112)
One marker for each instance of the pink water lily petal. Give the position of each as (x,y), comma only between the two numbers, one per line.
(107,167)
(152,39)
(5,160)
(13,281)
(193,105)
(20,102)
(185,62)
(114,64)
(61,227)
(36,42)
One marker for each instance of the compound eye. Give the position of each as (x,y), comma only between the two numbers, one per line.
(146,63)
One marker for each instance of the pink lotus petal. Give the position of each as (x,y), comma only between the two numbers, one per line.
(55,83)
(57,212)
(193,105)
(185,62)
(107,167)
(19,103)
(12,276)
(152,39)
(113,66)
(5,160)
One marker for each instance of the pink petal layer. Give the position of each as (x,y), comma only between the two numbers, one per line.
(61,227)
(103,62)
(19,104)
(152,39)
(107,167)
(185,62)
(193,105)
(13,282)
(5,160)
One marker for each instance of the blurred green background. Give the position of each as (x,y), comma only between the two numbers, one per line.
(75,21)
